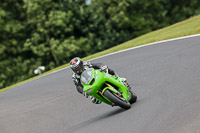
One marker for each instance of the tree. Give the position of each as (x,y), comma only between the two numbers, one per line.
(51,32)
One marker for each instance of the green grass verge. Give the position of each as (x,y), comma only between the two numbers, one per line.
(188,27)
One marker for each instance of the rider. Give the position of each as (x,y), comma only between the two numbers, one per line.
(77,66)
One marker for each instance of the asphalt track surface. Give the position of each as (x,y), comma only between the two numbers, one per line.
(165,76)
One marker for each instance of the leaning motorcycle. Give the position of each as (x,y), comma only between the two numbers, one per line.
(107,88)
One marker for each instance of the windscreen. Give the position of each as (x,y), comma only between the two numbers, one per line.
(86,76)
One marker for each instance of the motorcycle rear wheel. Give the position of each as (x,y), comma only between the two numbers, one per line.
(133,97)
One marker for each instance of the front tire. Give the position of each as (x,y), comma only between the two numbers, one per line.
(116,100)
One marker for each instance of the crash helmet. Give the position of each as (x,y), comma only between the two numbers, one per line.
(76,64)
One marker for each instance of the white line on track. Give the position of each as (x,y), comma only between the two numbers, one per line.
(136,47)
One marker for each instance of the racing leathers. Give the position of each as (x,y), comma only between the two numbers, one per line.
(77,82)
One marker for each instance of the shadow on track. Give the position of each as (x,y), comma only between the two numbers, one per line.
(95,119)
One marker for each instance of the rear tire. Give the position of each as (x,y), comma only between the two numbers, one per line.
(133,97)
(116,100)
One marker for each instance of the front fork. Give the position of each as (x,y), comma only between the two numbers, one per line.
(119,94)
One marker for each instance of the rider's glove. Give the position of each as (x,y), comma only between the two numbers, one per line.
(85,94)
(103,68)
(94,100)
(88,64)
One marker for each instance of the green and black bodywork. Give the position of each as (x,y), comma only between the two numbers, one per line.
(107,88)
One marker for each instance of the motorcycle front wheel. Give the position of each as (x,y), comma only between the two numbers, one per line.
(120,101)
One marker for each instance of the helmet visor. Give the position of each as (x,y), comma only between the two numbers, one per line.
(78,69)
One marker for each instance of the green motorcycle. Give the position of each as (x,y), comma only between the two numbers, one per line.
(107,88)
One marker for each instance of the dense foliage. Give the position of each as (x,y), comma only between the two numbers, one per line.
(51,32)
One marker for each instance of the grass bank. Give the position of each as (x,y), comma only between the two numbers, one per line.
(190,26)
